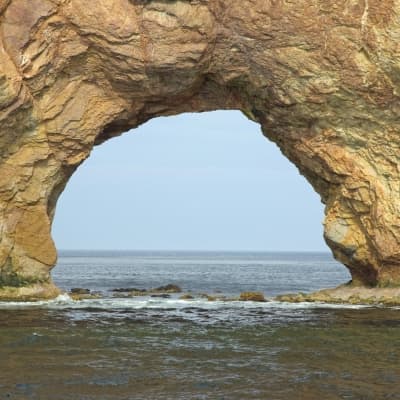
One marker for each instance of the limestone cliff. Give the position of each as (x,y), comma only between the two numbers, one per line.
(321,77)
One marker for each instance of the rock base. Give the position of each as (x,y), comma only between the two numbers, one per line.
(347,294)
(35,292)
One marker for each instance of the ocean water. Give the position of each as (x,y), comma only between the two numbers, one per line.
(156,348)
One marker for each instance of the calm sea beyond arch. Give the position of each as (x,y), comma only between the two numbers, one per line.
(323,82)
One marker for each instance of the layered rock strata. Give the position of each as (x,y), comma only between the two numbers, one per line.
(321,77)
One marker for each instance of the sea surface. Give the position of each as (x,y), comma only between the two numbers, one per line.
(166,348)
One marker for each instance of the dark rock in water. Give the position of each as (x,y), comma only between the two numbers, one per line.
(170,288)
(80,291)
(84,294)
(122,290)
(161,291)
(161,295)
(252,296)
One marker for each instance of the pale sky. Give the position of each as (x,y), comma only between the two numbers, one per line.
(206,181)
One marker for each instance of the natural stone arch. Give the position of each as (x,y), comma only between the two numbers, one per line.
(321,78)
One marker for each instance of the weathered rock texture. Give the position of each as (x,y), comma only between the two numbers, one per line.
(321,77)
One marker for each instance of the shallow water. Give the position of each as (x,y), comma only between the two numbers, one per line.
(150,348)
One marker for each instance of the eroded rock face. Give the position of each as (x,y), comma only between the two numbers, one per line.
(321,77)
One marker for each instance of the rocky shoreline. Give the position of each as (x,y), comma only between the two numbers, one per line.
(164,292)
(345,294)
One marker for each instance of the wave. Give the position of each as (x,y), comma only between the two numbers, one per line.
(66,302)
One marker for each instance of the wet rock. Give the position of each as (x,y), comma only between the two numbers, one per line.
(80,291)
(216,297)
(135,293)
(161,295)
(161,291)
(33,292)
(252,296)
(121,295)
(170,288)
(125,290)
(86,296)
(290,298)
(347,294)
(186,296)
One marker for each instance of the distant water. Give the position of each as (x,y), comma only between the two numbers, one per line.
(229,273)
(152,348)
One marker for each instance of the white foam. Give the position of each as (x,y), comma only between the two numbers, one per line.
(64,301)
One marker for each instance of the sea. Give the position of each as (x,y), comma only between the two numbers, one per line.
(143,347)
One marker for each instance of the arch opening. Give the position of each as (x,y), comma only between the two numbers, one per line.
(206,181)
(185,189)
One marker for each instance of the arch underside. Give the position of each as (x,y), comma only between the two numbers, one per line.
(325,92)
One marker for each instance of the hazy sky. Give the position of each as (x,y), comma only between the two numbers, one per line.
(190,182)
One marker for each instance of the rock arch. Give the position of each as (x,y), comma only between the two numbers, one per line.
(321,78)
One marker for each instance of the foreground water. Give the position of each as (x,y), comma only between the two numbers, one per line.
(152,348)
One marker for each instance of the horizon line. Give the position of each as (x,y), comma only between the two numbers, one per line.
(202,250)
